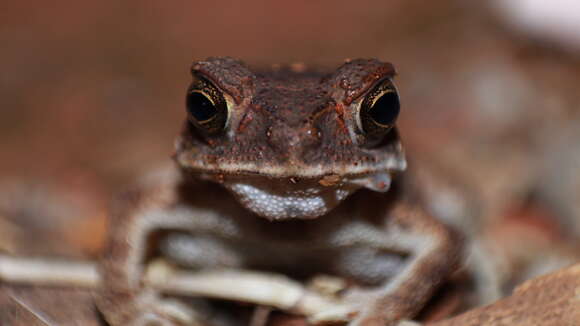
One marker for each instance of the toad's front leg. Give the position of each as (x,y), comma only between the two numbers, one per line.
(434,253)
(125,298)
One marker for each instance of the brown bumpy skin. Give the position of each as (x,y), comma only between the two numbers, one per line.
(293,138)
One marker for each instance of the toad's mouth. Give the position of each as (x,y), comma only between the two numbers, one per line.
(223,164)
(286,198)
(292,170)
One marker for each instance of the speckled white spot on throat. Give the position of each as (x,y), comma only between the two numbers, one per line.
(279,199)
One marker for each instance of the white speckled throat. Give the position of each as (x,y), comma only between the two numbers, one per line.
(286,198)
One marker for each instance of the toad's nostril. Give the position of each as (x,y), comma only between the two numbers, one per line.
(282,137)
(312,137)
(291,141)
(313,132)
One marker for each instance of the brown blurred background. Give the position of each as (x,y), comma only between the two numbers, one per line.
(92,95)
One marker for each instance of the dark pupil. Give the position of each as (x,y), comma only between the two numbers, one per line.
(386,109)
(200,107)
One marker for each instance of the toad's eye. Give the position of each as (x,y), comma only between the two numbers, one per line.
(201,107)
(379,111)
(207,108)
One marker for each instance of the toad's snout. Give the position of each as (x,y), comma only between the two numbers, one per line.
(287,139)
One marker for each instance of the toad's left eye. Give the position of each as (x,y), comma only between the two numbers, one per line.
(379,110)
(206,107)
(201,107)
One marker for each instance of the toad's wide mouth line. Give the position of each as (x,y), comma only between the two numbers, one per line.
(378,181)
(294,172)
(327,180)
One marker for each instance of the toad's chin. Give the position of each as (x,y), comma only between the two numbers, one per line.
(284,200)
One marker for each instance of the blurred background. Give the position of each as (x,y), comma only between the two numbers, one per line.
(92,95)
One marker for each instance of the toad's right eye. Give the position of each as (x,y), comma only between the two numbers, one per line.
(201,107)
(378,112)
(207,109)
